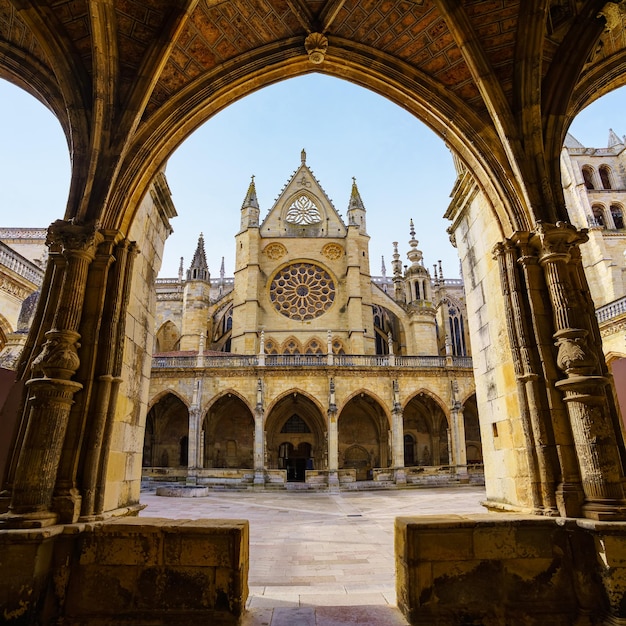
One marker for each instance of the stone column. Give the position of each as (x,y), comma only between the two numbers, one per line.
(194,449)
(111,299)
(51,391)
(259,437)
(397,436)
(584,389)
(333,440)
(457,443)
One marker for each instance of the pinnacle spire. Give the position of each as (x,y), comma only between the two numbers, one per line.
(303,156)
(199,269)
(614,140)
(355,197)
(251,199)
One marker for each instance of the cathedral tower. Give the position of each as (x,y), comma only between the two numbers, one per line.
(196,300)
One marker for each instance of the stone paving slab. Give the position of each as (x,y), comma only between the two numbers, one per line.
(320,559)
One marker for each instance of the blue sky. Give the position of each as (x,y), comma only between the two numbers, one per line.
(403,170)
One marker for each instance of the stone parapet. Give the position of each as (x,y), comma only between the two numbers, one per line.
(509,569)
(126,571)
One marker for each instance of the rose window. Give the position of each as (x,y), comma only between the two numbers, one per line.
(303,211)
(302,291)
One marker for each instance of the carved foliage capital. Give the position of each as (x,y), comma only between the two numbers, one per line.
(59,355)
(69,237)
(574,356)
(557,240)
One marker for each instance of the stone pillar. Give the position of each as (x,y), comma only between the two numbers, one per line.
(333,440)
(397,436)
(111,297)
(259,437)
(262,349)
(51,391)
(584,388)
(329,348)
(194,449)
(457,441)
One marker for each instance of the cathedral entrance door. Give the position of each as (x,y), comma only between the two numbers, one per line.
(296,460)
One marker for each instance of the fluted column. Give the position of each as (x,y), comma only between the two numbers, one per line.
(584,388)
(397,436)
(51,390)
(333,440)
(457,443)
(259,437)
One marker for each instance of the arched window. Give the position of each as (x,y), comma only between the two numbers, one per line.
(314,346)
(618,216)
(271,347)
(292,346)
(457,332)
(598,216)
(588,177)
(605,177)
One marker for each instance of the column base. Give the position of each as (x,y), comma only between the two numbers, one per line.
(68,504)
(605,511)
(39,519)
(333,482)
(259,479)
(569,500)
(400,476)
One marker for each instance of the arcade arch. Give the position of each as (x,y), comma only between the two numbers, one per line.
(228,434)
(296,439)
(166,440)
(425,432)
(514,205)
(363,436)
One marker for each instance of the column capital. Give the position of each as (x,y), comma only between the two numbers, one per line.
(69,237)
(555,241)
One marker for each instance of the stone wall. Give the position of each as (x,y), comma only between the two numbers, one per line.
(504,446)
(505,569)
(128,571)
(149,230)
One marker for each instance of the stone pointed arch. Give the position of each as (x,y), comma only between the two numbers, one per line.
(167,337)
(294,451)
(363,421)
(230,391)
(440,109)
(228,432)
(165,392)
(362,392)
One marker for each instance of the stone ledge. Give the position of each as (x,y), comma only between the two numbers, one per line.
(496,569)
(126,570)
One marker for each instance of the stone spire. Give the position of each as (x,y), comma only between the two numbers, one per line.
(383,269)
(614,140)
(414,255)
(199,270)
(250,208)
(356,208)
(222,271)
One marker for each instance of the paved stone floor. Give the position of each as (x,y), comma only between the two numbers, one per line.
(320,559)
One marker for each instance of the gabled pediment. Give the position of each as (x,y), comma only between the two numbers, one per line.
(303,209)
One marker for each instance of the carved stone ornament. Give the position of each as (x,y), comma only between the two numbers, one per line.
(316,46)
(77,237)
(59,355)
(613,12)
(275,251)
(332,251)
(573,356)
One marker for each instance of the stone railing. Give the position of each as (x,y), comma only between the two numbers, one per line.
(21,266)
(612,310)
(310,360)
